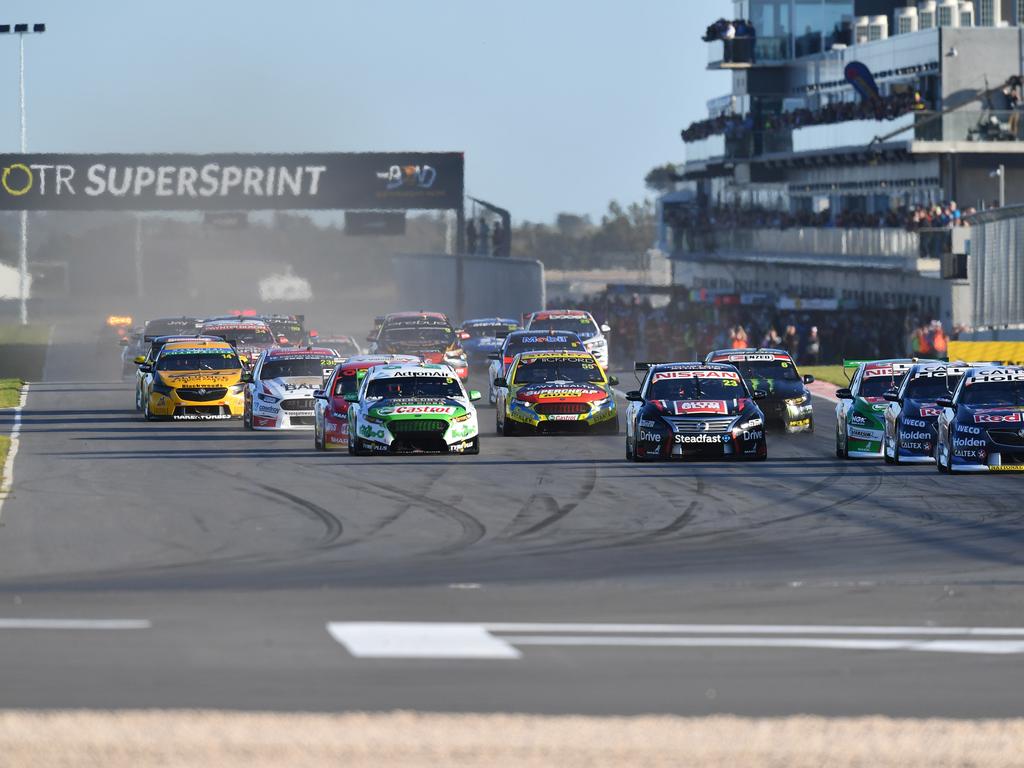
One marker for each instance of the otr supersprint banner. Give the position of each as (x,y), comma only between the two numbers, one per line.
(115,182)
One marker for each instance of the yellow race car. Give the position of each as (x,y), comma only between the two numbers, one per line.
(194,380)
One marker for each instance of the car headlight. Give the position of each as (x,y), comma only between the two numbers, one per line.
(268,399)
(802,400)
(463,417)
(749,424)
(372,419)
(237,389)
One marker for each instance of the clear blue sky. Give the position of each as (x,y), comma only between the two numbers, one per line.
(558,104)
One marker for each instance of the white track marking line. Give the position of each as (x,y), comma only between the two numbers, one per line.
(862,644)
(749,629)
(8,471)
(401,640)
(75,624)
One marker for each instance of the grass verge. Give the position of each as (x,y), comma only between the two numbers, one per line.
(833,374)
(24,334)
(10,392)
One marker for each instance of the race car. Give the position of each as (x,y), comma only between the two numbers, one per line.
(345,346)
(913,410)
(428,335)
(195,380)
(859,416)
(694,410)
(330,408)
(556,391)
(249,337)
(144,376)
(412,407)
(577,321)
(289,330)
(132,346)
(981,426)
(773,370)
(117,327)
(280,395)
(171,326)
(483,337)
(524,341)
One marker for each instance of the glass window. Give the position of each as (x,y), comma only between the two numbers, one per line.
(770,17)
(986,13)
(808,22)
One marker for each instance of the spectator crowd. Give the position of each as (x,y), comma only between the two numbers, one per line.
(685,330)
(914,217)
(736,126)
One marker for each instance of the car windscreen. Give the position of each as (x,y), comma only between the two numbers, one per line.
(243,335)
(419,338)
(760,373)
(695,388)
(172,327)
(344,347)
(415,386)
(213,360)
(533,370)
(993,393)
(877,386)
(583,326)
(524,343)
(929,387)
(308,367)
(487,331)
(347,383)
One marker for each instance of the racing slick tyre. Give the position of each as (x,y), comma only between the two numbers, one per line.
(318,440)
(145,412)
(885,451)
(508,428)
(841,453)
(630,456)
(247,415)
(943,468)
(611,427)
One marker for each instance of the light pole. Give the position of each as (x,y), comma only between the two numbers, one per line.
(21,30)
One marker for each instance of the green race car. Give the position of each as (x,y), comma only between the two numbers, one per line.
(412,407)
(860,412)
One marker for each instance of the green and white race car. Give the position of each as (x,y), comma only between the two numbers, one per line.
(412,407)
(860,412)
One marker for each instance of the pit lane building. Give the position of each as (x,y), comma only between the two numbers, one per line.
(804,132)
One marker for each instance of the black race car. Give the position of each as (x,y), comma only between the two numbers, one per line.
(694,410)
(788,401)
(981,427)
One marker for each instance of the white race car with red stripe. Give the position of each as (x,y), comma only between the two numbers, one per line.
(280,395)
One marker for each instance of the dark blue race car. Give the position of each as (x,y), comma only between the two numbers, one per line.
(981,426)
(913,410)
(483,336)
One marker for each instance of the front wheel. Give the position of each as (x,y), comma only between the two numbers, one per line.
(318,438)
(610,427)
(943,454)
(247,415)
(508,428)
(841,451)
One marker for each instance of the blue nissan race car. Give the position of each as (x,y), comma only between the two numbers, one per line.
(913,410)
(483,336)
(981,427)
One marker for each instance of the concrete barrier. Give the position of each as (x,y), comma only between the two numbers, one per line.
(491,286)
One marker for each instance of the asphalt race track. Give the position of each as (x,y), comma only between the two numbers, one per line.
(545,575)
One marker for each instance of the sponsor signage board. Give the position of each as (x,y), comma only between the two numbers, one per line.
(231,181)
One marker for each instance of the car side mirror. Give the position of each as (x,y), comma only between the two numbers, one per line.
(499,381)
(605,328)
(139,360)
(759,394)
(945,402)
(613,381)
(844,394)
(634,396)
(494,357)
(319,394)
(146,368)
(808,378)
(474,394)
(892,396)
(247,377)
(352,397)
